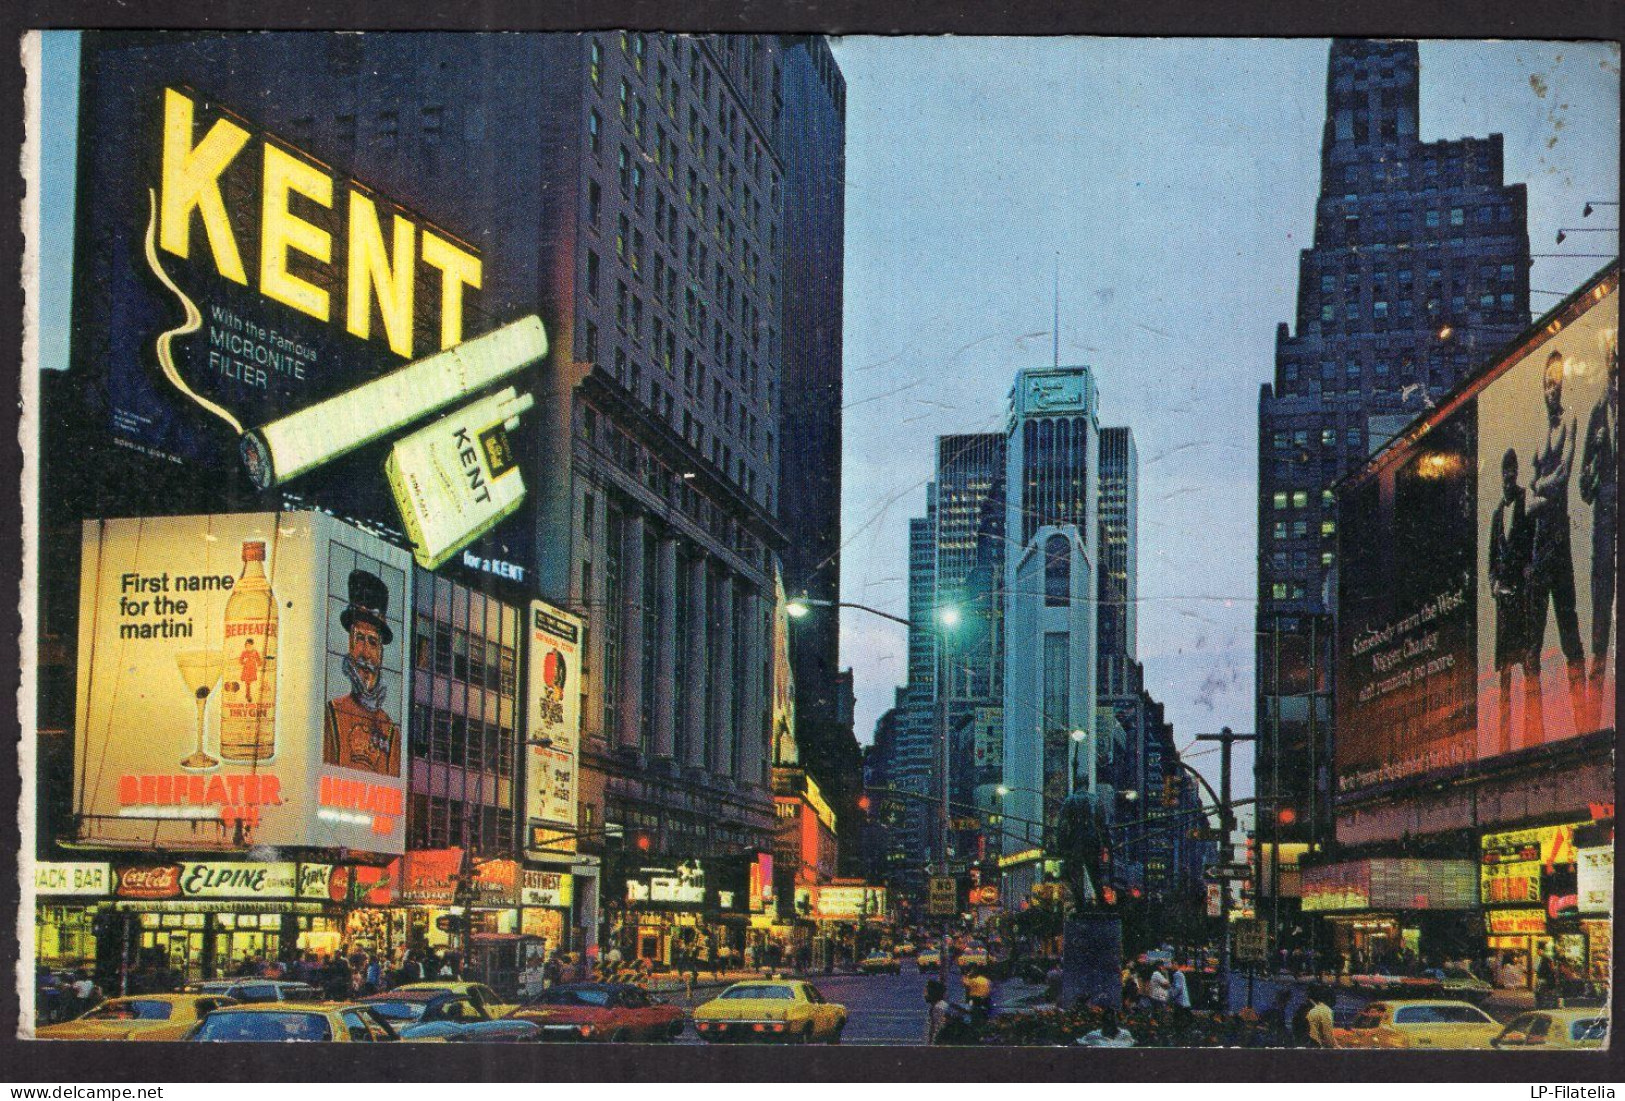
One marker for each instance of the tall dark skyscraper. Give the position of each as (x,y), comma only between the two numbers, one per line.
(1118,617)
(812,99)
(1419,271)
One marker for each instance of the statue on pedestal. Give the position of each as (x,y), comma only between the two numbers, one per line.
(1084,846)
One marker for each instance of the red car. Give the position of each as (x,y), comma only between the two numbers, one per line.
(613,1013)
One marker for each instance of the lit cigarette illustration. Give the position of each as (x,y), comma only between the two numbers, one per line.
(284,449)
(457,478)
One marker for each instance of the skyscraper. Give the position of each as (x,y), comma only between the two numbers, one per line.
(812,94)
(1419,270)
(1119,543)
(1052,510)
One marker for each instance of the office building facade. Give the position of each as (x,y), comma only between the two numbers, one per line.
(1418,271)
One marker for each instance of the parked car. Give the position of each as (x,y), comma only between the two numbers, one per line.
(974,956)
(290,1022)
(905,949)
(143,1017)
(412,1012)
(928,960)
(482,995)
(249,991)
(877,963)
(601,1012)
(1549,1029)
(1419,1023)
(786,1012)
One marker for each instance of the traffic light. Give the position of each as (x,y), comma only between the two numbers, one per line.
(643,843)
(1286,816)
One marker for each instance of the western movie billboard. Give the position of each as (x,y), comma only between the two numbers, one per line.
(243,291)
(553,727)
(1477,565)
(241,682)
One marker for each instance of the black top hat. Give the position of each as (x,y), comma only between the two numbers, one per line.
(369,602)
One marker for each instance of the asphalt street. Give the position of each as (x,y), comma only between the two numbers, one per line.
(883,1009)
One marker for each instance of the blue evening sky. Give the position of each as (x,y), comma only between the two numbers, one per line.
(1176,179)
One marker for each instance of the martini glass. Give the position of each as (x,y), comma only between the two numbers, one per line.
(200,669)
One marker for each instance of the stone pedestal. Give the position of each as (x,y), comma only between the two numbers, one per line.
(1092,959)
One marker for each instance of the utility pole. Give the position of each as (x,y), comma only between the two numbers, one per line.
(1226,738)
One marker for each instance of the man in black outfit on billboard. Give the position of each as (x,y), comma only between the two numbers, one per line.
(1511,543)
(1599,489)
(1554,555)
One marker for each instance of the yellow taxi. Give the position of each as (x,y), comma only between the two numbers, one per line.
(295,1022)
(880,962)
(1549,1029)
(1419,1024)
(785,1011)
(904,949)
(928,960)
(973,956)
(140,1017)
(478,993)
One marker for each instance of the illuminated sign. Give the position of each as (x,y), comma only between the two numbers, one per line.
(1529,868)
(241,682)
(683,885)
(216,879)
(72,878)
(553,721)
(1515,922)
(1596,880)
(429,875)
(841,902)
(537,888)
(1390,883)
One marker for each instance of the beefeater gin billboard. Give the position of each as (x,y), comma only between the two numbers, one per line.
(241,682)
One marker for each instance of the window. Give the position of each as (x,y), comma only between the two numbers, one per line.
(1057,572)
(1279,500)
(1278,590)
(595,65)
(1457,216)
(595,202)
(1432,219)
(1328,528)
(1328,437)
(589,343)
(592,273)
(1300,498)
(593,135)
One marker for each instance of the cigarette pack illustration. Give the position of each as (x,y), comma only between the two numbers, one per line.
(290,446)
(457,478)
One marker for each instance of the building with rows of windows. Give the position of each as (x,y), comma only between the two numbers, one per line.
(1419,271)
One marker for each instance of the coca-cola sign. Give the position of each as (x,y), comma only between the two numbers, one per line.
(161,881)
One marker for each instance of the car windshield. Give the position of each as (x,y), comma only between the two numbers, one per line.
(1440,1015)
(1589,1028)
(264,1027)
(759,993)
(400,1010)
(587,996)
(131,1011)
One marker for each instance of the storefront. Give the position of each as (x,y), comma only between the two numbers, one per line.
(1529,881)
(68,896)
(1394,913)
(192,920)
(546,900)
